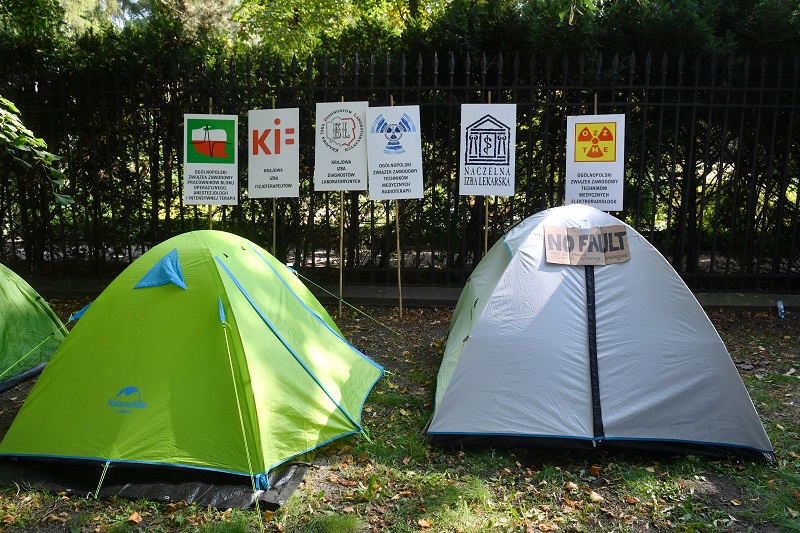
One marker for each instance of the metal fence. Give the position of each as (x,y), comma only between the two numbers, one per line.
(712,162)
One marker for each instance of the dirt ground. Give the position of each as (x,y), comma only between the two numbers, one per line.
(759,343)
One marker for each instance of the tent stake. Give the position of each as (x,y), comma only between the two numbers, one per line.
(102,477)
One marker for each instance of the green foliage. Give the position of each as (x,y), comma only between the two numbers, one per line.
(772,26)
(28,151)
(375,31)
(31,33)
(312,27)
(478,25)
(31,21)
(292,27)
(655,26)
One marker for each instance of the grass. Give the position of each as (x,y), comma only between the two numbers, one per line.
(395,481)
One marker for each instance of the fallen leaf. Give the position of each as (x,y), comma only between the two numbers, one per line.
(596,498)
(406,460)
(650,468)
(268,515)
(55,518)
(569,485)
(793,512)
(736,502)
(348,509)
(547,526)
(136,518)
(344,482)
(631,500)
(423,523)
(595,470)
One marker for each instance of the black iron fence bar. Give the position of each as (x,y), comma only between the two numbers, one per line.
(711,160)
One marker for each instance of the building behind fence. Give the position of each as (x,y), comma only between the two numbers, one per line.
(712,161)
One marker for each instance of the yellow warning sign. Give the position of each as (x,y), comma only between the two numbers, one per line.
(595,142)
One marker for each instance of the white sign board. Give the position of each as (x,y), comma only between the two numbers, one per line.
(210,160)
(340,157)
(394,145)
(595,161)
(273,153)
(488,141)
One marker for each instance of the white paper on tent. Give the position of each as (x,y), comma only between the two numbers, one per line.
(606,245)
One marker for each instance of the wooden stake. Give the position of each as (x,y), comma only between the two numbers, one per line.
(341,248)
(210,207)
(486,205)
(485,225)
(274,215)
(399,255)
(397,231)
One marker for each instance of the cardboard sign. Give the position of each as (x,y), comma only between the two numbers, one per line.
(488,142)
(595,161)
(340,155)
(210,161)
(395,153)
(273,153)
(605,245)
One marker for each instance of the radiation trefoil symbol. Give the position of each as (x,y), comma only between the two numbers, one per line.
(393,132)
(596,142)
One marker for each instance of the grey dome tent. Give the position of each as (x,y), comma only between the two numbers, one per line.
(542,352)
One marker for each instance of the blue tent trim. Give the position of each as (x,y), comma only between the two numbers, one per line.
(167,270)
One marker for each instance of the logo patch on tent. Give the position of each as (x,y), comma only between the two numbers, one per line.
(127,400)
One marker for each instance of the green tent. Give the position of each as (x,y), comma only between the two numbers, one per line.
(29,330)
(199,374)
